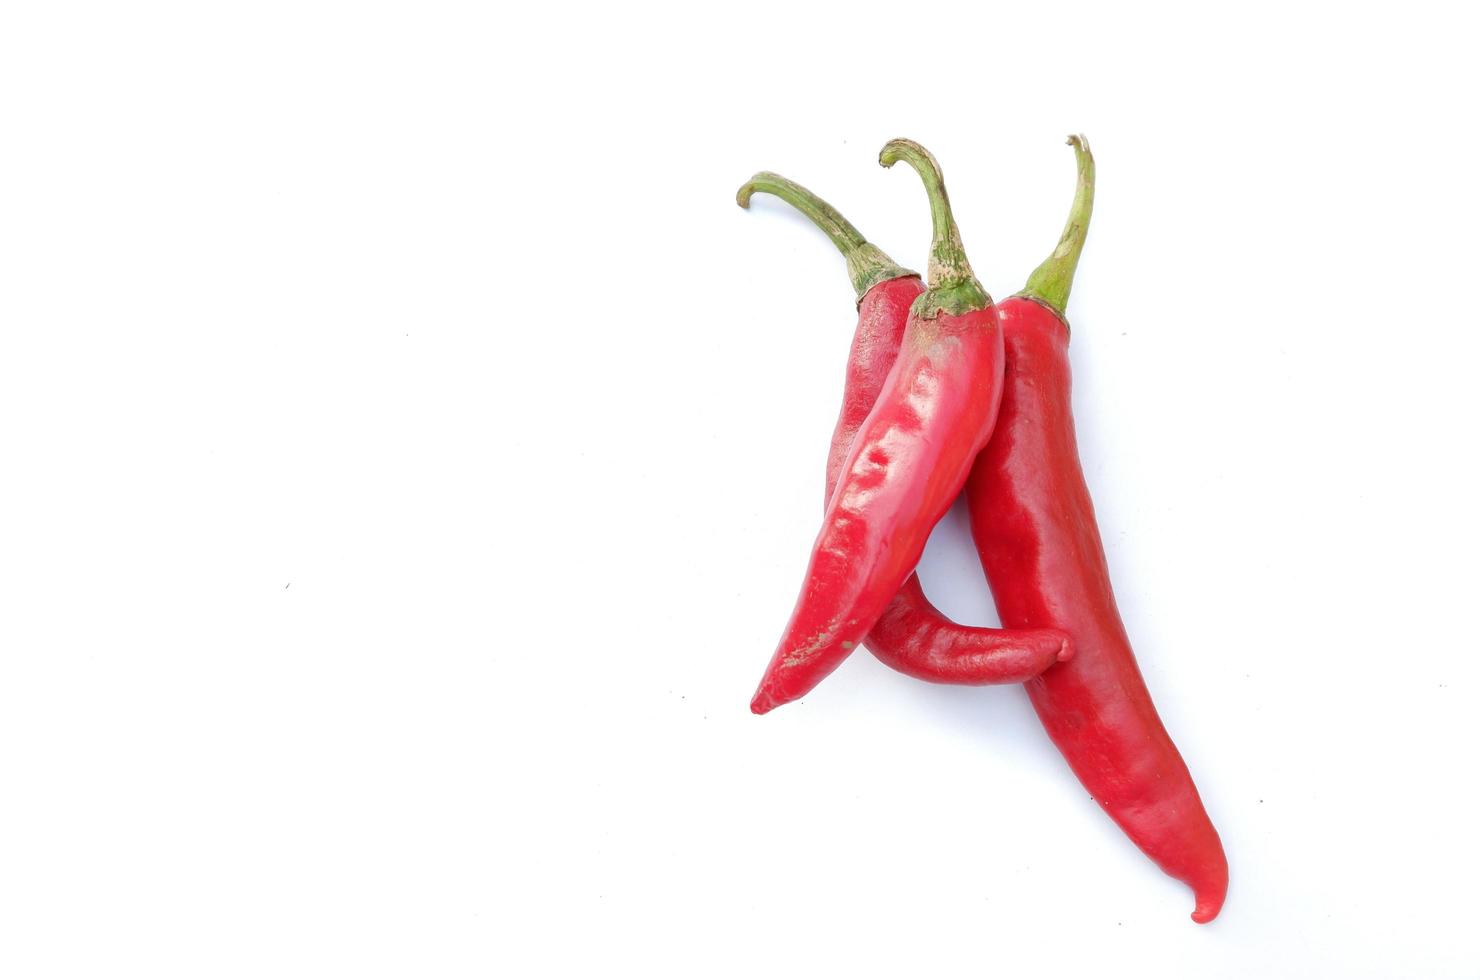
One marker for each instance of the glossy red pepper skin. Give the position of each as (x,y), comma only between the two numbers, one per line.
(1040,546)
(915,638)
(1035,531)
(907,463)
(886,291)
(883,312)
(911,451)
(1034,527)
(911,635)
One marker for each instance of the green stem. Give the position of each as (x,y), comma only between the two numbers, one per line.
(953,286)
(867,264)
(1050,282)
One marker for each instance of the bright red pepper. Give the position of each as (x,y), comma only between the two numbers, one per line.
(1035,531)
(908,461)
(943,651)
(884,290)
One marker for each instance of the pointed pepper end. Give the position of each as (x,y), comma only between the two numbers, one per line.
(764,699)
(770,695)
(1208,907)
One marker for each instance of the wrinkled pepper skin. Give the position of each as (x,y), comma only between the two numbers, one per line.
(912,636)
(883,312)
(915,638)
(1035,530)
(908,461)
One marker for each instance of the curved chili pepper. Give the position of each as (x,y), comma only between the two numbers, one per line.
(884,291)
(1034,527)
(908,460)
(941,651)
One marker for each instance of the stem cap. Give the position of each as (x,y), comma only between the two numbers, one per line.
(1050,282)
(953,287)
(867,264)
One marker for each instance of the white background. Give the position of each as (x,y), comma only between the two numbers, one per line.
(411,453)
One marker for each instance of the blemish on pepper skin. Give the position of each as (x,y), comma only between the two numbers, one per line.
(811,650)
(848,644)
(806,653)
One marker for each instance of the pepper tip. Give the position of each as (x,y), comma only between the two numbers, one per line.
(1208,907)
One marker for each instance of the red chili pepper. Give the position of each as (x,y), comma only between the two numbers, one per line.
(884,290)
(1035,531)
(908,461)
(940,650)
